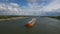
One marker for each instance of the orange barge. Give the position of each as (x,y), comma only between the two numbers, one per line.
(31,23)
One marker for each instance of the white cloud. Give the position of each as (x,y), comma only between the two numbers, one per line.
(52,6)
(32,8)
(15,9)
(9,8)
(55,4)
(32,1)
(5,0)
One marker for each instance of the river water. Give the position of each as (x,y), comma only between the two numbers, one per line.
(43,25)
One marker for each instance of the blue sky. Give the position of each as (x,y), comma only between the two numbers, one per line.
(30,7)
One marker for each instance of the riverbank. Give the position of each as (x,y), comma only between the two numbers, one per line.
(54,17)
(12,18)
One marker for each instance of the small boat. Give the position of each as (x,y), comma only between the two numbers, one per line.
(31,23)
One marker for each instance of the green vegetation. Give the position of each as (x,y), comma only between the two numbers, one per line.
(10,16)
(5,17)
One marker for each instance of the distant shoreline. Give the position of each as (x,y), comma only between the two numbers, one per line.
(55,17)
(12,18)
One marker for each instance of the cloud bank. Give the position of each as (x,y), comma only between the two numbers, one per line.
(34,7)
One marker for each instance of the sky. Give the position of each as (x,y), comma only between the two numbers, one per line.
(30,7)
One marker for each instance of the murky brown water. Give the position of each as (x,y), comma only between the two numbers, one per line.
(43,25)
